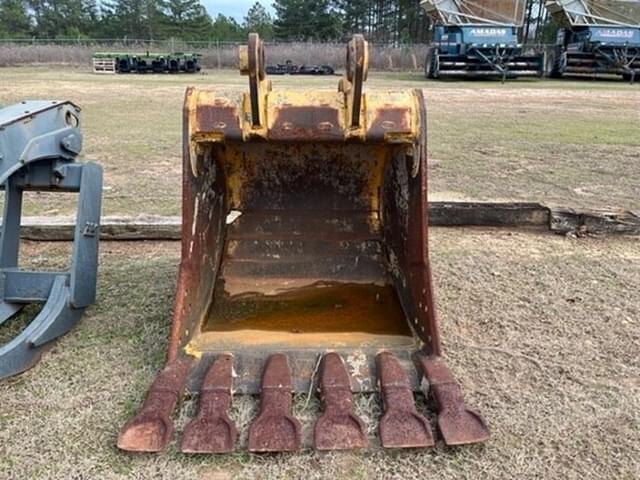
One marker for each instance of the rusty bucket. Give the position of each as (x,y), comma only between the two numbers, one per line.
(304,259)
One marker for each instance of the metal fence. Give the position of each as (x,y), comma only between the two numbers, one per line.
(215,54)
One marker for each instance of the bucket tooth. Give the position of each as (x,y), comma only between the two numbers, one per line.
(275,429)
(212,431)
(401,426)
(457,423)
(338,428)
(152,427)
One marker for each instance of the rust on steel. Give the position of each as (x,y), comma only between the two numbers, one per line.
(275,429)
(300,161)
(401,426)
(152,427)
(338,428)
(252,63)
(328,191)
(212,431)
(302,209)
(457,423)
(355,75)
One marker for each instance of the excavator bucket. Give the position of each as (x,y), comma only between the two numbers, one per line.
(39,145)
(304,264)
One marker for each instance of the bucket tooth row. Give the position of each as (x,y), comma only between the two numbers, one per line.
(275,429)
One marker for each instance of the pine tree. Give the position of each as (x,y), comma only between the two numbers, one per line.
(307,20)
(14,19)
(187,19)
(136,19)
(58,18)
(402,21)
(227,29)
(259,21)
(354,16)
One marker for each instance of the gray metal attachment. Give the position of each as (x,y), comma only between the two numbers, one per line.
(39,145)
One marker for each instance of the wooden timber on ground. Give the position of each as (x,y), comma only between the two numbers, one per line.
(561,220)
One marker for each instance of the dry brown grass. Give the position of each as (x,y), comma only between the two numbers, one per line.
(572,143)
(542,331)
(219,55)
(13,55)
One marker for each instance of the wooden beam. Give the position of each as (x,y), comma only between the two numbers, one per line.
(487,214)
(594,222)
(111,228)
(441,214)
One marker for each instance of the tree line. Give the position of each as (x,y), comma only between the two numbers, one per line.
(384,21)
(302,20)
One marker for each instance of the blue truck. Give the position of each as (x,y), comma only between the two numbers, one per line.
(470,39)
(594,39)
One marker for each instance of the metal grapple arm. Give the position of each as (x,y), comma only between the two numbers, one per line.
(39,145)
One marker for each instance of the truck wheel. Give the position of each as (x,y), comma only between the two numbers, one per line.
(552,68)
(429,64)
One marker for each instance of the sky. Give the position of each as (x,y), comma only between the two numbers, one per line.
(233,8)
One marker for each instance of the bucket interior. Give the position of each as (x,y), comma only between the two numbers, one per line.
(306,259)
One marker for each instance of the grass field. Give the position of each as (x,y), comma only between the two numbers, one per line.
(558,142)
(542,331)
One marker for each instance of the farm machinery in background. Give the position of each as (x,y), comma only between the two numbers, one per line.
(290,68)
(479,39)
(595,38)
(105,62)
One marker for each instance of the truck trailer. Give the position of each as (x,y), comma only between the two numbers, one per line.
(595,38)
(479,39)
